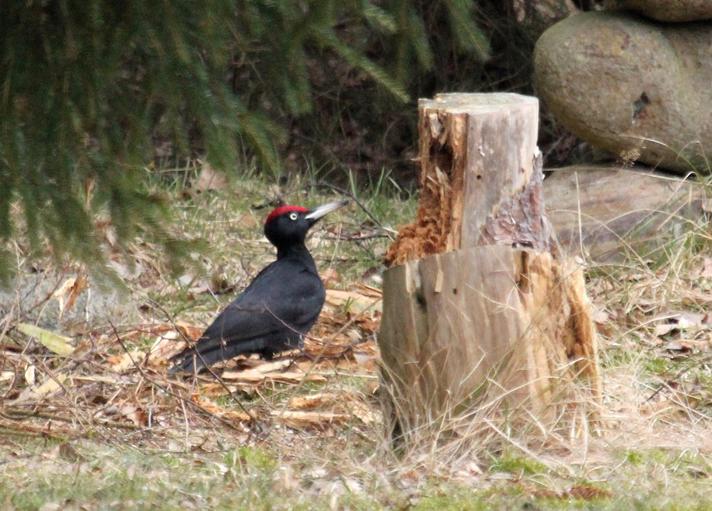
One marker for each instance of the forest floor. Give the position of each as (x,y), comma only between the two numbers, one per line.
(89,418)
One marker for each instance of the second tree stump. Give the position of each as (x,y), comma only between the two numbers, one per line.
(476,306)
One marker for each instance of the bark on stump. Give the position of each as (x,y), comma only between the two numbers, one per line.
(476,307)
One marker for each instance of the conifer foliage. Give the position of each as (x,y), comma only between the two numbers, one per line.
(87,88)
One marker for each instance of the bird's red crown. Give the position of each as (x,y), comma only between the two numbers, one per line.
(281,210)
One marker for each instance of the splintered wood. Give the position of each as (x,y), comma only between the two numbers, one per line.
(476,308)
(480,176)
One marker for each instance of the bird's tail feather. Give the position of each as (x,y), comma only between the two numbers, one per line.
(199,356)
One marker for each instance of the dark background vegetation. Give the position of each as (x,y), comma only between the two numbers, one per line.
(95,96)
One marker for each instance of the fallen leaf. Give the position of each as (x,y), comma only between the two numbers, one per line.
(679,321)
(56,343)
(690,320)
(217,389)
(135,414)
(126,361)
(690,345)
(678,346)
(69,291)
(6,375)
(664,328)
(191,331)
(170,340)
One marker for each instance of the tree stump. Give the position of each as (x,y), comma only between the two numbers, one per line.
(476,306)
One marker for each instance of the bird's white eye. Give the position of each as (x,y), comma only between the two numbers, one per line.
(293,216)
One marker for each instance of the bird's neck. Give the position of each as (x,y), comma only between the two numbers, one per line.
(296,251)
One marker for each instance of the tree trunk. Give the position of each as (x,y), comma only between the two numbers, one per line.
(478,307)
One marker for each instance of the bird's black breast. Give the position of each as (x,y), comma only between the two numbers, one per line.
(284,300)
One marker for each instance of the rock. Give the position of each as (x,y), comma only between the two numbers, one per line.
(97,303)
(666,10)
(535,16)
(638,89)
(608,211)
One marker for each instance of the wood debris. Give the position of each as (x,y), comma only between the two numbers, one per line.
(116,378)
(308,419)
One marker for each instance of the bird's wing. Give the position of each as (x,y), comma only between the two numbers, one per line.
(281,298)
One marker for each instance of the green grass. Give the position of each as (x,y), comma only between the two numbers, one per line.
(517,465)
(258,477)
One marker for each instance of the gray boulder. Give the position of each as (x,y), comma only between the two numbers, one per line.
(667,10)
(606,212)
(635,88)
(536,16)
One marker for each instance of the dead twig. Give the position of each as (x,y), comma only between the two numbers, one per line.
(181,398)
(389,232)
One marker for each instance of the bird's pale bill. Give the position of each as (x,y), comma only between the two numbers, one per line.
(318,212)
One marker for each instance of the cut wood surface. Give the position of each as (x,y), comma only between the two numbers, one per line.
(604,212)
(476,308)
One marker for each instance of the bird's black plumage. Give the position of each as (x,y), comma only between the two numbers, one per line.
(279,306)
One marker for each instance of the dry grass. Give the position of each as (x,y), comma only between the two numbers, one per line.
(115,433)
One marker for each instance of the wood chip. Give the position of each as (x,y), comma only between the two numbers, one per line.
(30,375)
(312,401)
(253,376)
(270,367)
(127,361)
(309,420)
(50,386)
(363,412)
(212,407)
(353,301)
